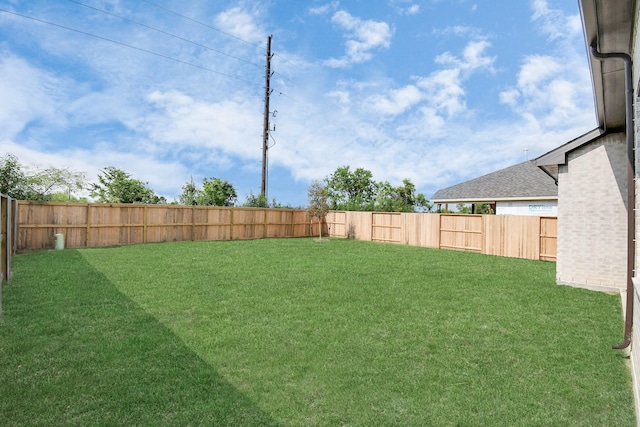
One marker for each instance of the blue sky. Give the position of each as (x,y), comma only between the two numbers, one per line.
(437,91)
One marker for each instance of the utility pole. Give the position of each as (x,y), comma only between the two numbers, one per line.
(265,128)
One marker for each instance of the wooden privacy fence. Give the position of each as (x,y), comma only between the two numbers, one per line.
(93,225)
(529,237)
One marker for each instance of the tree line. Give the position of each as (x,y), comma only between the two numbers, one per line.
(114,185)
(344,189)
(356,190)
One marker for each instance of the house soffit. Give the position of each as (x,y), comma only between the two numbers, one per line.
(608,24)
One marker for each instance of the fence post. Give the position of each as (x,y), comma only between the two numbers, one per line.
(16,220)
(483,234)
(88,224)
(9,235)
(440,231)
(3,201)
(144,224)
(371,229)
(266,222)
(293,224)
(193,222)
(231,226)
(5,213)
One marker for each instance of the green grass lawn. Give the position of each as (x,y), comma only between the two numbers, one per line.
(295,332)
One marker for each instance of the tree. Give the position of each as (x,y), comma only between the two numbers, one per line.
(37,185)
(348,190)
(260,201)
(475,208)
(116,186)
(189,194)
(256,201)
(214,192)
(408,200)
(462,208)
(56,180)
(422,203)
(12,178)
(357,191)
(63,196)
(318,203)
(387,198)
(483,208)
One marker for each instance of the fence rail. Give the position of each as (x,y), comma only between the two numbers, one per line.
(527,237)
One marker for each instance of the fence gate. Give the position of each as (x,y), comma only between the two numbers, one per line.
(461,232)
(548,238)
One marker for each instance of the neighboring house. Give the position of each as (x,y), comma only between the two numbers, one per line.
(522,189)
(598,211)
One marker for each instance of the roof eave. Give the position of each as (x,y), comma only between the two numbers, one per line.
(609,29)
(494,200)
(558,156)
(588,16)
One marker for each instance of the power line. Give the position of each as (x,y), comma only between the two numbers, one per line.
(285,60)
(164,32)
(293,99)
(222,32)
(203,24)
(129,46)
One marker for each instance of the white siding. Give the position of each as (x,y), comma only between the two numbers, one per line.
(532,208)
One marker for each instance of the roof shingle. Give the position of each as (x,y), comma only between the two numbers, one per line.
(524,181)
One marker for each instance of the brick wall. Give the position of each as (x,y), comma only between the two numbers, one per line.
(592,215)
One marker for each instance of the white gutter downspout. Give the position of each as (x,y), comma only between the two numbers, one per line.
(631,173)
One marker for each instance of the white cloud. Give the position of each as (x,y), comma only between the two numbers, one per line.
(413,9)
(324,9)
(342,97)
(397,101)
(363,36)
(405,7)
(537,69)
(510,97)
(460,31)
(553,90)
(473,57)
(241,23)
(554,23)
(444,91)
(181,121)
(28,94)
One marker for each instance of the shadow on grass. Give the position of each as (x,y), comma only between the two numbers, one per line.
(74,350)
